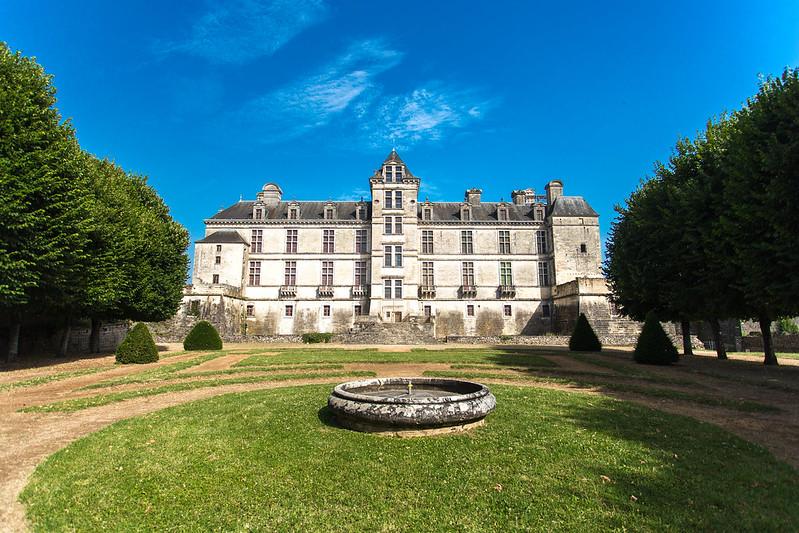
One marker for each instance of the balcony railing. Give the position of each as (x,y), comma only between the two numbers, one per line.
(288,291)
(427,292)
(506,291)
(468,291)
(324,291)
(360,291)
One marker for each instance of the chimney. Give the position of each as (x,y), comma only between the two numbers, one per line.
(523,197)
(554,189)
(270,194)
(472,196)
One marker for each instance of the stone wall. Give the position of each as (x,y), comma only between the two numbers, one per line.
(44,339)
(782,343)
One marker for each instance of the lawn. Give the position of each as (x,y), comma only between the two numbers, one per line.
(546,460)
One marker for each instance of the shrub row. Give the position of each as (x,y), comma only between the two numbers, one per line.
(139,347)
(313,338)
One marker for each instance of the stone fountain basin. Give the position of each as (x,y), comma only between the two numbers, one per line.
(383,404)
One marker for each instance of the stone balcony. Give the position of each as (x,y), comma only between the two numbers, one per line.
(427,292)
(506,292)
(468,291)
(359,291)
(288,291)
(324,291)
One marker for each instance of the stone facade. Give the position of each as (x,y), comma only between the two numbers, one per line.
(272,267)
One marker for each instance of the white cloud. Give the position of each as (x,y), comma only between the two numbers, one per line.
(356,195)
(425,114)
(312,102)
(239,31)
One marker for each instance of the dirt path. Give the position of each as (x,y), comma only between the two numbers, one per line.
(26,439)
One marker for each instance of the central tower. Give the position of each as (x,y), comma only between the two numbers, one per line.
(394,241)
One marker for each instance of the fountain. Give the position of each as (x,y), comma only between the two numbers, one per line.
(411,406)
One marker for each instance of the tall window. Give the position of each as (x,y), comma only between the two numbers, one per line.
(255,272)
(397,225)
(546,312)
(398,289)
(397,173)
(470,310)
(358,310)
(289,310)
(389,172)
(290,273)
(257,241)
(393,226)
(326,311)
(360,273)
(504,241)
(387,289)
(291,241)
(328,241)
(428,279)
(387,255)
(507,311)
(360,241)
(398,200)
(389,226)
(427,241)
(389,200)
(541,241)
(218,260)
(218,248)
(467,269)
(327,273)
(505,273)
(215,279)
(398,256)
(428,311)
(392,256)
(250,310)
(467,244)
(543,273)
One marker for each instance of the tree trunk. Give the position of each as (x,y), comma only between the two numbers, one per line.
(687,349)
(63,345)
(721,351)
(13,340)
(768,345)
(94,337)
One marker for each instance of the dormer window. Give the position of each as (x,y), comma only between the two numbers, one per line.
(259,213)
(397,173)
(502,213)
(388,173)
(294,211)
(539,213)
(427,213)
(360,212)
(329,213)
(466,212)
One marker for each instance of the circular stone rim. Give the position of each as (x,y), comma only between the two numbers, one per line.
(342,392)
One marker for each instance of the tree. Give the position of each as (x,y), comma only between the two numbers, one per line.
(583,337)
(761,196)
(44,203)
(654,347)
(203,336)
(138,346)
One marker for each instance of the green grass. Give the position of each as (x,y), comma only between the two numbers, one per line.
(77,404)
(546,460)
(670,394)
(49,378)
(511,358)
(159,373)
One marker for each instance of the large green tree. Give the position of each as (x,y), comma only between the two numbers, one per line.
(761,196)
(44,205)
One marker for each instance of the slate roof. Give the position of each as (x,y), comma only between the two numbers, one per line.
(565,206)
(572,206)
(308,211)
(224,237)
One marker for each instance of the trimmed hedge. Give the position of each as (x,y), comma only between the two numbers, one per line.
(138,346)
(203,336)
(313,338)
(583,338)
(654,347)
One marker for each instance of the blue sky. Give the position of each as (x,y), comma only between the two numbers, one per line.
(211,100)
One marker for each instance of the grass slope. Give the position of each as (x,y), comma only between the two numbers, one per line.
(546,460)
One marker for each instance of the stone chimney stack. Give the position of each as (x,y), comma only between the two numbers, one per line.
(554,189)
(523,197)
(472,196)
(270,195)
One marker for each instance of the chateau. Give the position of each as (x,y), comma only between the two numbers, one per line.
(525,267)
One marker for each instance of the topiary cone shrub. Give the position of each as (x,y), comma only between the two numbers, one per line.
(138,346)
(203,336)
(583,338)
(654,347)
